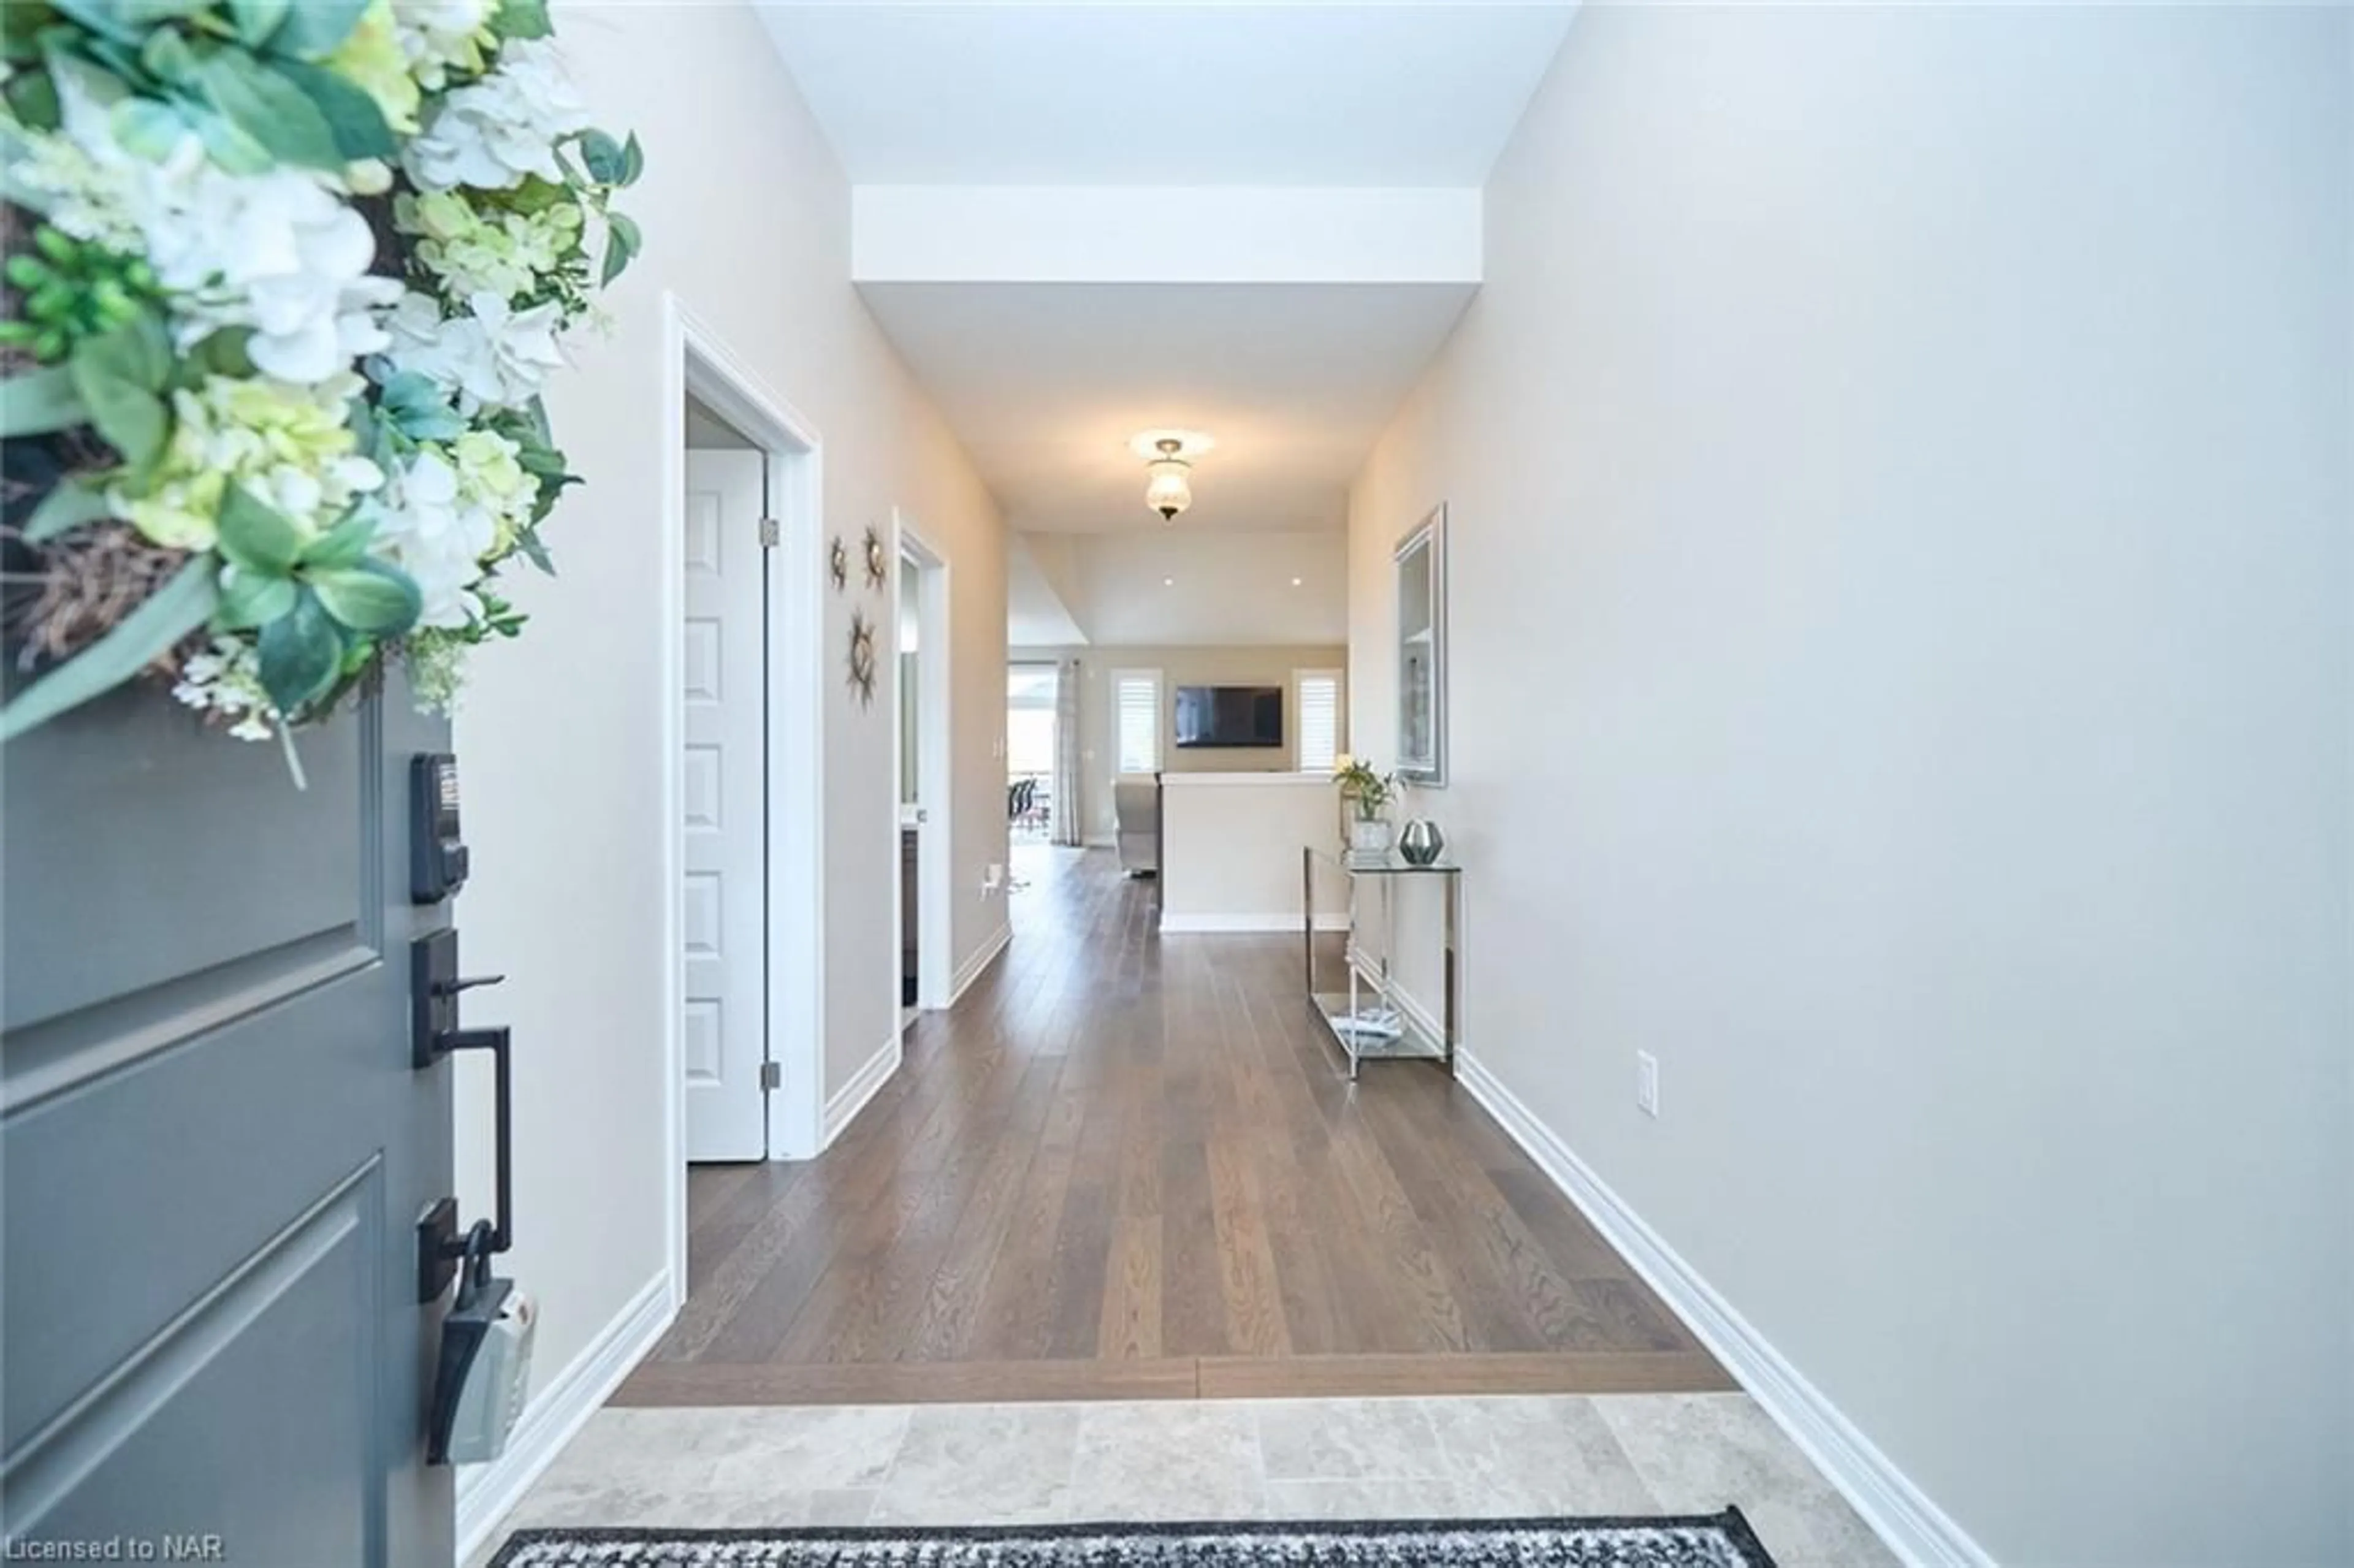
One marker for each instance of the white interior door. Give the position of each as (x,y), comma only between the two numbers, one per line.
(725,802)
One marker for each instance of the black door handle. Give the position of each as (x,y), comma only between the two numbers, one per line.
(434,989)
(496,1040)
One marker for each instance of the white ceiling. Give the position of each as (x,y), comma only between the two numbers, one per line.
(1111,93)
(1046,384)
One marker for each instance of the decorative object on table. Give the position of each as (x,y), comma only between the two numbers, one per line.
(878,559)
(1420,564)
(1378,1010)
(1421,842)
(862,657)
(284,283)
(1367,794)
(1669,1541)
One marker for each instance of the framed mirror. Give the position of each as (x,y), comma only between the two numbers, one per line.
(1421,567)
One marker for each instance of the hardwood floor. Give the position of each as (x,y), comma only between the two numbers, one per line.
(1130,1167)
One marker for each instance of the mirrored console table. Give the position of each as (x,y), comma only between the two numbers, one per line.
(1359,997)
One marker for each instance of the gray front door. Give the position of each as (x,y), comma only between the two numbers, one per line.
(214,1152)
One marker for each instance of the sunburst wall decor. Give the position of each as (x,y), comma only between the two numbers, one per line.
(878,559)
(862,657)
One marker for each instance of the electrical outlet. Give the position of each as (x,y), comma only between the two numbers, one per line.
(1647,1083)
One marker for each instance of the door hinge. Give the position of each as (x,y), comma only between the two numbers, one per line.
(769,533)
(772,1076)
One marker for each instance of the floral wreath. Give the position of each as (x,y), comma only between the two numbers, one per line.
(284,281)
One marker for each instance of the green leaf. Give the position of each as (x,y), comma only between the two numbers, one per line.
(358,125)
(173,610)
(534,550)
(269,108)
(32,98)
(371,598)
(165,55)
(229,144)
(622,242)
(256,20)
(223,352)
(250,598)
(118,375)
(315,27)
(134,422)
(419,406)
(66,508)
(300,655)
(147,127)
(604,157)
(147,13)
(138,353)
(103,17)
(521,19)
(343,545)
(633,160)
(256,536)
(40,401)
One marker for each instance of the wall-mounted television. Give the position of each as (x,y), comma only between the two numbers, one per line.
(1229,716)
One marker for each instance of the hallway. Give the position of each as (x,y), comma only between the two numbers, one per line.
(1128,1168)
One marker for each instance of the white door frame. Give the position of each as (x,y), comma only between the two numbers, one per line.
(696,360)
(935,843)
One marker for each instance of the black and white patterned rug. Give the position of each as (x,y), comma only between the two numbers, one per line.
(1718,1540)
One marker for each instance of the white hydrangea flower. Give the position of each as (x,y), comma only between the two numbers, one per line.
(227,679)
(440,37)
(490,133)
(493,356)
(279,252)
(433,531)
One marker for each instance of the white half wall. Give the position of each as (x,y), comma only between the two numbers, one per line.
(1900,464)
(748,220)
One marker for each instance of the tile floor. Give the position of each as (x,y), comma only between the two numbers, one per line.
(1016,1463)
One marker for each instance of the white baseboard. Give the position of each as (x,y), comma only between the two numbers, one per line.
(1913,1527)
(489,1493)
(973,968)
(843,1106)
(1104,841)
(1186,924)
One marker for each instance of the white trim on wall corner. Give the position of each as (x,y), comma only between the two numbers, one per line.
(1913,1527)
(1202,924)
(978,965)
(841,1107)
(558,1411)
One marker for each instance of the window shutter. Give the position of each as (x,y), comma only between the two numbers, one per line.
(1319,720)
(1136,717)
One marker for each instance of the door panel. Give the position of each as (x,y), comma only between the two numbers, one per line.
(724,803)
(215,1151)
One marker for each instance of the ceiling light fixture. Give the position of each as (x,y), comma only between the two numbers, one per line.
(1169,456)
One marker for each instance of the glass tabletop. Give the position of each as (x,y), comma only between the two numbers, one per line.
(1383,862)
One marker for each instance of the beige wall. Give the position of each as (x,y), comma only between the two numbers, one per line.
(746,216)
(1272,666)
(1901,477)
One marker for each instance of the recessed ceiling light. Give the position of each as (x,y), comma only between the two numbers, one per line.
(1168,582)
(1295,582)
